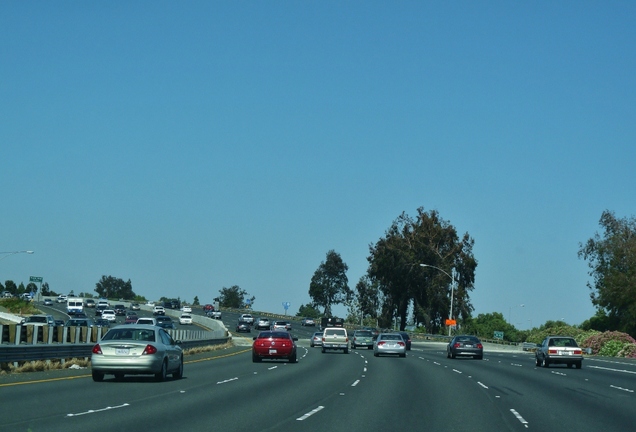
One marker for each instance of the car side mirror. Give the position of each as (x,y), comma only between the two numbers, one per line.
(538,345)
(254,338)
(294,338)
(177,342)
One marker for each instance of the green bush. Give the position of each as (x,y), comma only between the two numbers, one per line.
(612,348)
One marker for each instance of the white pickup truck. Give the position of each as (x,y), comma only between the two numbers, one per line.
(335,338)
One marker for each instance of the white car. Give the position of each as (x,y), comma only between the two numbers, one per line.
(248,318)
(145,320)
(186,309)
(109,314)
(185,319)
(158,310)
(61,298)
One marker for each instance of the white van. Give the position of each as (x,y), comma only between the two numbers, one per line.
(74,305)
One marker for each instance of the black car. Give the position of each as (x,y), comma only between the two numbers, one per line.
(407,340)
(99,322)
(120,310)
(465,346)
(165,322)
(99,309)
(243,326)
(79,322)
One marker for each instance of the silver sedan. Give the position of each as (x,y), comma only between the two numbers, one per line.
(389,343)
(137,349)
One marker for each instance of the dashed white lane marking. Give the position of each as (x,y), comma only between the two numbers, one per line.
(456,371)
(521,419)
(482,384)
(310,413)
(355,383)
(273,367)
(227,380)
(97,410)
(621,388)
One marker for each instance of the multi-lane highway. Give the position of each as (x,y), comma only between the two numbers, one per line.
(335,392)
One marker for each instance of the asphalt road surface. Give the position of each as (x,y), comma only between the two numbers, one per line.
(333,392)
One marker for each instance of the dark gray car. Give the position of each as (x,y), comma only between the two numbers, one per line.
(465,346)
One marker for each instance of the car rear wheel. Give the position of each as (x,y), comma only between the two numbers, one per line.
(178,374)
(546,363)
(402,355)
(537,362)
(256,359)
(98,376)
(161,375)
(479,357)
(323,350)
(579,364)
(293,358)
(346,350)
(119,376)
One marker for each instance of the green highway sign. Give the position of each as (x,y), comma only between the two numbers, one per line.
(499,335)
(35,279)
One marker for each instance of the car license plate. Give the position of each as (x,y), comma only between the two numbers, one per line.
(273,351)
(122,351)
(566,353)
(468,346)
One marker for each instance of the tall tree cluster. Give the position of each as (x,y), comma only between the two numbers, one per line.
(611,257)
(112,287)
(394,264)
(234,297)
(329,284)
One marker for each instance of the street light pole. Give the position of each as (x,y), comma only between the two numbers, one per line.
(450,316)
(6,254)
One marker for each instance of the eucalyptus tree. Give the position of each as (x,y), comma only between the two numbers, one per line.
(234,297)
(612,261)
(112,287)
(394,262)
(329,284)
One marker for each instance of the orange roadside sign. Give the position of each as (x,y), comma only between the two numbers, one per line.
(451,322)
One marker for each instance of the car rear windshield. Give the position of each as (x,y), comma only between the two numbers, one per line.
(364,333)
(274,335)
(335,332)
(563,342)
(391,337)
(36,319)
(130,334)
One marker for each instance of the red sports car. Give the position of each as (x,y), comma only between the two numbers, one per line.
(274,345)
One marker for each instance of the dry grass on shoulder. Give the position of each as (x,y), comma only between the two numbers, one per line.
(44,365)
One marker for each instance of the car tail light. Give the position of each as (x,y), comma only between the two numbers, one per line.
(150,349)
(578,352)
(381,343)
(552,351)
(480,346)
(401,343)
(457,345)
(97,349)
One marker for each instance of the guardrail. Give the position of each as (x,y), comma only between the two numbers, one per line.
(30,343)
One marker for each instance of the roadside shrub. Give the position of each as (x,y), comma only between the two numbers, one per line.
(612,348)
(537,336)
(599,340)
(629,351)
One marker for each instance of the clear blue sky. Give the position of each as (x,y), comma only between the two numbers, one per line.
(191,146)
